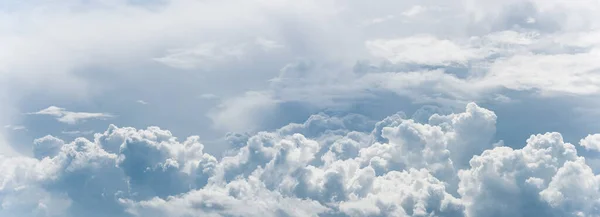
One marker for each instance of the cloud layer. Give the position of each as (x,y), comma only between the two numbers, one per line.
(326,166)
(305,94)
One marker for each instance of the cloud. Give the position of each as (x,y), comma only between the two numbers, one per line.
(267,44)
(77,132)
(591,142)
(539,174)
(201,56)
(451,72)
(241,114)
(328,165)
(208,96)
(15,128)
(69,117)
(336,163)
(424,50)
(413,11)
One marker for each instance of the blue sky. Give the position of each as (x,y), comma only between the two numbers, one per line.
(299,108)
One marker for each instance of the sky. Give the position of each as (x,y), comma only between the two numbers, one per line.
(280,108)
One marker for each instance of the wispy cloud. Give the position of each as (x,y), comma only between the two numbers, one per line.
(15,127)
(208,96)
(77,132)
(69,117)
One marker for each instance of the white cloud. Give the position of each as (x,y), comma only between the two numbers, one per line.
(400,168)
(426,50)
(202,56)
(436,51)
(378,20)
(591,142)
(243,113)
(413,11)
(267,44)
(546,173)
(77,132)
(15,127)
(69,117)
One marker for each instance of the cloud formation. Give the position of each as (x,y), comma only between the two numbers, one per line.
(326,166)
(69,117)
(265,63)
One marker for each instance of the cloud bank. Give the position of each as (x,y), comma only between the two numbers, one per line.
(326,166)
(305,94)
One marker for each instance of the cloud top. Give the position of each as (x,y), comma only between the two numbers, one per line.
(327,166)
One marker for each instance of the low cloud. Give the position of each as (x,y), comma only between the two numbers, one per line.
(328,165)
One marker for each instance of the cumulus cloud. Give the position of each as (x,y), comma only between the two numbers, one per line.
(435,163)
(326,166)
(591,142)
(69,117)
(547,174)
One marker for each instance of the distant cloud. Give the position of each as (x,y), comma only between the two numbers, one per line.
(413,11)
(208,96)
(202,56)
(377,20)
(502,98)
(69,117)
(267,44)
(425,49)
(77,132)
(15,127)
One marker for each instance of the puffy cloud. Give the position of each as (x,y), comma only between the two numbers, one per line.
(448,53)
(237,198)
(70,117)
(591,142)
(407,193)
(544,178)
(47,146)
(326,166)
